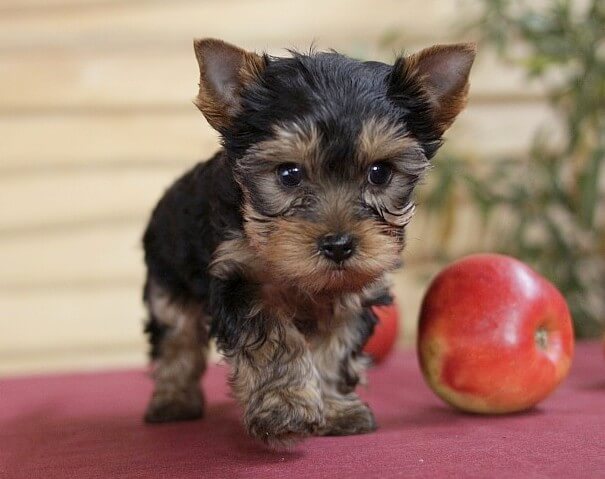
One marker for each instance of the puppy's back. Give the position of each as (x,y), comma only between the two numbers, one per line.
(187,224)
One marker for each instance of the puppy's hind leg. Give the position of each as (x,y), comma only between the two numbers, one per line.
(178,333)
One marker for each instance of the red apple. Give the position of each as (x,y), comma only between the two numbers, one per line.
(494,336)
(384,337)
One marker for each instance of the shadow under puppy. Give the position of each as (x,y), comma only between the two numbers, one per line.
(280,243)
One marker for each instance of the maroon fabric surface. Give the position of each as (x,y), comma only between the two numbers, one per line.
(89,426)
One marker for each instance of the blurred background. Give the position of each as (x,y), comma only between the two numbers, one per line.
(96,120)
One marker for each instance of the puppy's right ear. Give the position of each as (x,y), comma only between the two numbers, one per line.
(224,71)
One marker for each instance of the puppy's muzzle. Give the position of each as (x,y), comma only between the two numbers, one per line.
(337,247)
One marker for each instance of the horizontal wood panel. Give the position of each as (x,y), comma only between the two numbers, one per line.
(84,140)
(34,203)
(80,82)
(99,253)
(253,23)
(38,7)
(55,319)
(429,236)
(92,139)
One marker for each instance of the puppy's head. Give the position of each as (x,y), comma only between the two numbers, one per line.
(327,151)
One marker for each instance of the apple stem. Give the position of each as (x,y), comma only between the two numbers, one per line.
(541,338)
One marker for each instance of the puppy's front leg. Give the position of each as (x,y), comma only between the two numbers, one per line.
(279,388)
(337,355)
(273,374)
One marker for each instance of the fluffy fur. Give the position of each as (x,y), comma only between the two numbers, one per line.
(232,252)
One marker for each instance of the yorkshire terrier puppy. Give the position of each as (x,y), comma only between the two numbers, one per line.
(280,243)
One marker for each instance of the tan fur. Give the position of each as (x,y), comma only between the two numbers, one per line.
(278,386)
(183,359)
(311,305)
(233,255)
(447,104)
(277,382)
(298,142)
(289,244)
(292,386)
(220,106)
(331,348)
(289,247)
(381,140)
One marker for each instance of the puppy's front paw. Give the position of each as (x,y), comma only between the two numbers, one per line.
(175,406)
(283,418)
(349,418)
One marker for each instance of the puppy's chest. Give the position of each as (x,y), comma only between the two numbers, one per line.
(312,316)
(313,319)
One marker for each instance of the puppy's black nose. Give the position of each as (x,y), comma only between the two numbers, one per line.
(337,247)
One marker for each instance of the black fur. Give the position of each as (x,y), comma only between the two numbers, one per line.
(332,91)
(230,302)
(156,332)
(187,225)
(408,94)
(366,325)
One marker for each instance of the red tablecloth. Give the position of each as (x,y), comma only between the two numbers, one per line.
(89,426)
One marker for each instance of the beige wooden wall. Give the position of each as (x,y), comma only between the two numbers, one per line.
(96,120)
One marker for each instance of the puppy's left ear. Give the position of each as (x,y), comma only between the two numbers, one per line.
(225,70)
(442,72)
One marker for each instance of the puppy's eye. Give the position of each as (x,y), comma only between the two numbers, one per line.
(380,173)
(290,174)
